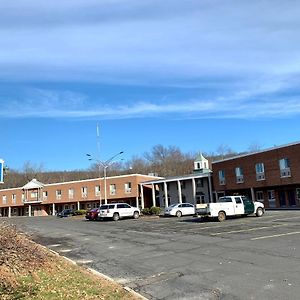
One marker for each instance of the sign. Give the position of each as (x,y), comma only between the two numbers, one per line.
(1,170)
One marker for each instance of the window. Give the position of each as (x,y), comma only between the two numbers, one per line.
(221,177)
(123,205)
(58,194)
(97,190)
(284,165)
(34,194)
(84,191)
(260,196)
(112,189)
(182,184)
(45,195)
(4,199)
(14,198)
(271,198)
(238,200)
(239,175)
(260,171)
(128,187)
(23,197)
(298,193)
(199,183)
(71,193)
(224,200)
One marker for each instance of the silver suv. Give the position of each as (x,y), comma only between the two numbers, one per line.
(118,210)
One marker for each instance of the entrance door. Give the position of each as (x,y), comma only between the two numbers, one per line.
(292,198)
(282,199)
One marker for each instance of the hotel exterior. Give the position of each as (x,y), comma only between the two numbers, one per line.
(271,176)
(38,199)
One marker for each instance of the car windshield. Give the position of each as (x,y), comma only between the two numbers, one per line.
(172,205)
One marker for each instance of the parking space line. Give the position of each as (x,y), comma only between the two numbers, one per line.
(249,229)
(275,235)
(289,218)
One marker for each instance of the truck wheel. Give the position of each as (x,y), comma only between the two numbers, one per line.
(221,216)
(116,217)
(178,214)
(259,212)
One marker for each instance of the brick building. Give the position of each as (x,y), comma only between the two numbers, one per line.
(38,199)
(271,176)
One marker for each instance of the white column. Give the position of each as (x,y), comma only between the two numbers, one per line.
(9,212)
(166,194)
(153,195)
(216,195)
(179,191)
(29,210)
(78,205)
(252,194)
(210,189)
(53,209)
(137,201)
(194,190)
(142,197)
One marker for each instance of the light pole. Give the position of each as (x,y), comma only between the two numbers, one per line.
(105,165)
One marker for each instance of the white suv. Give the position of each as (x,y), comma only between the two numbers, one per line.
(118,210)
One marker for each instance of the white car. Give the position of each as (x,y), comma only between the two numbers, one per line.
(180,209)
(118,210)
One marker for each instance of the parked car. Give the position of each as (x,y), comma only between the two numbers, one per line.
(118,210)
(66,213)
(180,209)
(92,214)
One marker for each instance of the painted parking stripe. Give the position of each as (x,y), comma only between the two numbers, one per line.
(289,218)
(250,229)
(275,235)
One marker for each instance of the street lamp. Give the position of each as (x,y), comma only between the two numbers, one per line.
(105,165)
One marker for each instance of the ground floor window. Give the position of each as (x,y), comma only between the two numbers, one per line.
(271,198)
(260,196)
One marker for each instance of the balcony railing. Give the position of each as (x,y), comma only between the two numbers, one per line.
(285,172)
(240,179)
(260,176)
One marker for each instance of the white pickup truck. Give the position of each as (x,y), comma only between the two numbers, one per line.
(230,206)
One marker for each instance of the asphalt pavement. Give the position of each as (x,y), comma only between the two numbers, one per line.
(184,258)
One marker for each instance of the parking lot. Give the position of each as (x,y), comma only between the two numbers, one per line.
(184,258)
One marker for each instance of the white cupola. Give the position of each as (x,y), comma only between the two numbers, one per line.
(201,164)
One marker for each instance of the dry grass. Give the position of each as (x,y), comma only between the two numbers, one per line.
(29,271)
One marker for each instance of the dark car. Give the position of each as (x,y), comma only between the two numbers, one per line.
(66,213)
(92,214)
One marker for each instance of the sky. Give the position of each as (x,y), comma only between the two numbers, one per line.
(195,74)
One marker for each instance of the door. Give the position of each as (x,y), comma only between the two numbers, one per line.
(187,209)
(282,199)
(238,206)
(248,206)
(124,210)
(292,198)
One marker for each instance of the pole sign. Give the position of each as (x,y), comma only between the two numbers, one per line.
(1,171)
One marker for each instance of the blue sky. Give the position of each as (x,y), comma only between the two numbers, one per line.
(194,74)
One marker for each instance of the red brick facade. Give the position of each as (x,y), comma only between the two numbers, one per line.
(277,186)
(82,194)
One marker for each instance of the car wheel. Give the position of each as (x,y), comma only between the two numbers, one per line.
(136,215)
(221,216)
(116,217)
(259,212)
(178,214)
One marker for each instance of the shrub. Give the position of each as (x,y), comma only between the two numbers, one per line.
(80,212)
(146,211)
(154,210)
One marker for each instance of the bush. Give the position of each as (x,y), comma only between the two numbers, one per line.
(154,210)
(80,212)
(146,211)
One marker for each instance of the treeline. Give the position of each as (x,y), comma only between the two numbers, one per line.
(162,161)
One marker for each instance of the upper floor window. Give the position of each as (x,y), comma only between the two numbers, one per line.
(221,177)
(84,191)
(14,198)
(34,194)
(4,199)
(260,171)
(45,195)
(71,193)
(58,194)
(284,165)
(128,187)
(112,189)
(97,190)
(239,174)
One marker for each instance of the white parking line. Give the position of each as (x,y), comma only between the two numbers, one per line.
(275,235)
(287,218)
(249,229)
